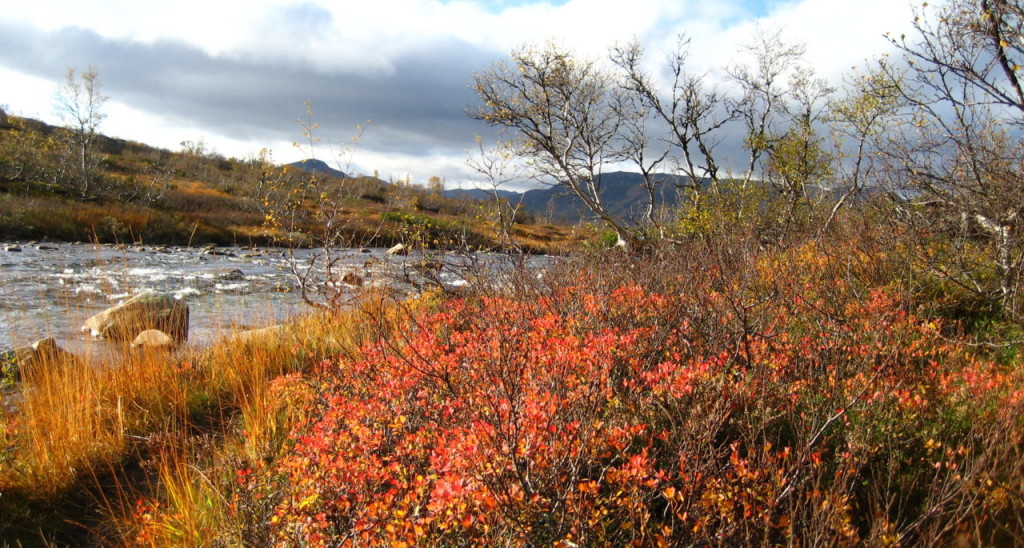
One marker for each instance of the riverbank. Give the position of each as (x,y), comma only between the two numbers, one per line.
(658,398)
(83,439)
(139,194)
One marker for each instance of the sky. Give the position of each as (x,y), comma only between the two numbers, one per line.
(238,74)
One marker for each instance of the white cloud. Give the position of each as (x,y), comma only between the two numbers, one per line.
(26,95)
(371,40)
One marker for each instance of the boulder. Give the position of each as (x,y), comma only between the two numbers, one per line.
(147,310)
(43,351)
(13,249)
(153,339)
(353,279)
(226,273)
(400,249)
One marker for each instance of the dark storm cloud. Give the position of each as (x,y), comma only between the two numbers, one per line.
(418,108)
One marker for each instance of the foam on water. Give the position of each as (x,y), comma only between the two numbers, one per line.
(186,292)
(231,287)
(52,293)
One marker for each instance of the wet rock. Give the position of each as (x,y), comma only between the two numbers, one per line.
(44,247)
(153,339)
(365,250)
(147,310)
(353,279)
(400,249)
(428,266)
(226,273)
(13,249)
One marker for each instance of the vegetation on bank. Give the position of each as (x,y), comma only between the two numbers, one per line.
(830,356)
(195,196)
(831,391)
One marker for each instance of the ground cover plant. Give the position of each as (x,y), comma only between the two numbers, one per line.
(723,396)
(822,351)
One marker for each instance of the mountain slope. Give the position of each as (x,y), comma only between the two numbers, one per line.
(319,167)
(622,193)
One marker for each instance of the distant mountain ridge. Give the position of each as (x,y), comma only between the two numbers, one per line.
(320,167)
(622,193)
(481,194)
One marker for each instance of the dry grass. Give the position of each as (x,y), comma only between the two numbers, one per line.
(76,424)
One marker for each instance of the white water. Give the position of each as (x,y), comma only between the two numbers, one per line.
(50,293)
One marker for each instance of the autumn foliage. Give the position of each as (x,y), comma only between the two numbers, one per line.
(716,397)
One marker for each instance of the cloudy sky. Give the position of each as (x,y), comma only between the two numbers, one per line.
(236,74)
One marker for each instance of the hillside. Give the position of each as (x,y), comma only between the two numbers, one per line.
(621,192)
(132,192)
(320,167)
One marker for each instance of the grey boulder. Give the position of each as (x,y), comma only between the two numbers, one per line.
(147,310)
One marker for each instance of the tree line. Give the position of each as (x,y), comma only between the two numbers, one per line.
(933,133)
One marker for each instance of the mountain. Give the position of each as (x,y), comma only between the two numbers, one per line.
(319,167)
(621,192)
(481,194)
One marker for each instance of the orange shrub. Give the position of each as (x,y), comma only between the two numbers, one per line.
(584,415)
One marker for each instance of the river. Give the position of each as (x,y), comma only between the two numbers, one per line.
(48,290)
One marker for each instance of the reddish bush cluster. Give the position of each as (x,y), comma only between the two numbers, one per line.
(767,410)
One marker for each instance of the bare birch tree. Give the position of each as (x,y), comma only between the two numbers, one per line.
(962,153)
(563,114)
(79,104)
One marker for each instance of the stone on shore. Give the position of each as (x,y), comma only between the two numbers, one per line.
(42,352)
(147,310)
(262,334)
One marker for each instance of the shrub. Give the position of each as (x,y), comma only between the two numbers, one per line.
(761,406)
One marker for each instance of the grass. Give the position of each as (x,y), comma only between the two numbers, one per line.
(143,194)
(723,389)
(83,436)
(736,356)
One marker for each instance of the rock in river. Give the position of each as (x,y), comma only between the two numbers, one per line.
(226,273)
(400,249)
(153,339)
(147,310)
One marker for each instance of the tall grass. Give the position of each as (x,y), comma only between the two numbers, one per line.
(82,436)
